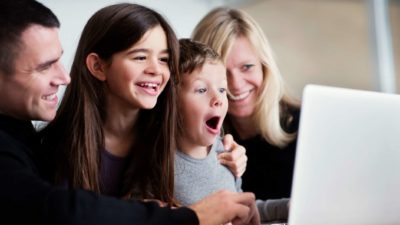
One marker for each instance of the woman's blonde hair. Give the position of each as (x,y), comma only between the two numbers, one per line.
(219,29)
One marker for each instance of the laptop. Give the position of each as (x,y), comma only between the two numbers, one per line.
(347,167)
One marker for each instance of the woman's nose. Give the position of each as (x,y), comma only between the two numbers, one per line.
(234,81)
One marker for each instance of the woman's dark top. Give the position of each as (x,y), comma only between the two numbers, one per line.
(269,169)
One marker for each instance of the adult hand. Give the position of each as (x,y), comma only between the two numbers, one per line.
(225,206)
(235,158)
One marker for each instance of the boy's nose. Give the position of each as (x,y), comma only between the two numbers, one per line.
(216,101)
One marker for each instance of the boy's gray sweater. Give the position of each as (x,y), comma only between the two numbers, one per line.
(197,178)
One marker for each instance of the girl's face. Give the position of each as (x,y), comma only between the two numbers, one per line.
(245,77)
(138,75)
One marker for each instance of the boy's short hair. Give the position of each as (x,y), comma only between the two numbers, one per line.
(194,54)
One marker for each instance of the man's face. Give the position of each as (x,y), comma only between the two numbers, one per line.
(31,92)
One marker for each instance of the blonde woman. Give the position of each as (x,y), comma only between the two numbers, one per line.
(261,116)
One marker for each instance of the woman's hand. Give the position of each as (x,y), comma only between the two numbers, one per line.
(235,157)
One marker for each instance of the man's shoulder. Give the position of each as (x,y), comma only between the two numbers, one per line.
(7,141)
(12,148)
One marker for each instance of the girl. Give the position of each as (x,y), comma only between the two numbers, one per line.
(115,126)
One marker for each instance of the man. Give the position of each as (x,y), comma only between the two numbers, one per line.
(30,74)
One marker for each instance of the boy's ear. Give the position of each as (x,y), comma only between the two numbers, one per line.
(96,66)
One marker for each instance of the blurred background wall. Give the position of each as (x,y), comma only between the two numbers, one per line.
(325,42)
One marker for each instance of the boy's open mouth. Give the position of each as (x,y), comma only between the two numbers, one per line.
(213,122)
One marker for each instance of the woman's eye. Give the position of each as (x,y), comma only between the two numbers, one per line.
(247,66)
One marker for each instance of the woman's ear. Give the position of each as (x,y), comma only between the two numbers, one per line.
(96,66)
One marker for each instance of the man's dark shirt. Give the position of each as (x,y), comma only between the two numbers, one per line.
(26,198)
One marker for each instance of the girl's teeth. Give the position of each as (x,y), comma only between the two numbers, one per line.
(49,97)
(151,85)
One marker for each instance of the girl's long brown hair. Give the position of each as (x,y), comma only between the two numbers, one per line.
(76,133)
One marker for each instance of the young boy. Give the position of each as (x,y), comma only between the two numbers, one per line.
(202,107)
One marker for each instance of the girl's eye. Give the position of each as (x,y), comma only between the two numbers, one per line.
(222,90)
(141,58)
(164,59)
(201,90)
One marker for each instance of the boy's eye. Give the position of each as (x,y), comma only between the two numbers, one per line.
(201,90)
(222,90)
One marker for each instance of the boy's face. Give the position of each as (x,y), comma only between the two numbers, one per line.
(203,104)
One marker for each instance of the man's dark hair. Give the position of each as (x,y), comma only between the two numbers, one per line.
(15,17)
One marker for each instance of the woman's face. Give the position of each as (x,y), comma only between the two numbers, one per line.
(138,75)
(245,76)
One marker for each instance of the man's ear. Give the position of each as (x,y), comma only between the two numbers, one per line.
(96,66)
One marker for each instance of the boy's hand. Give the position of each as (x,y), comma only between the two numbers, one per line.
(235,158)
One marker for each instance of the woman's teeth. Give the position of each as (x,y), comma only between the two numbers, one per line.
(239,97)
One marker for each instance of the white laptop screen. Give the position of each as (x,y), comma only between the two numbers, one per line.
(347,168)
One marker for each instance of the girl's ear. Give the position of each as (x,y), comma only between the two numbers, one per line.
(96,66)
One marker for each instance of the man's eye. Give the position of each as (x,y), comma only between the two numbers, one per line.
(44,68)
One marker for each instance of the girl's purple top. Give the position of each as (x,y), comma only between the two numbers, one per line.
(111,173)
